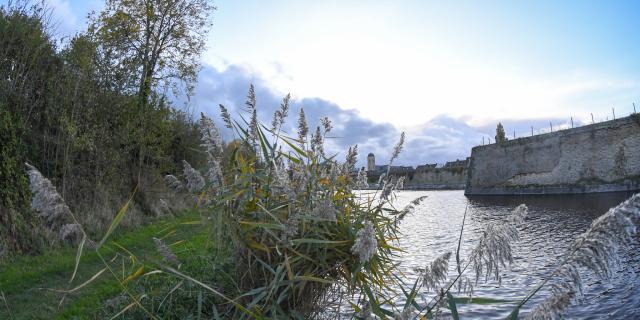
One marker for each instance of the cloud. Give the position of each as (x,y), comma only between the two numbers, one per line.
(64,19)
(440,139)
(229,87)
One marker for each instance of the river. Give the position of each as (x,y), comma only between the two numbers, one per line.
(550,227)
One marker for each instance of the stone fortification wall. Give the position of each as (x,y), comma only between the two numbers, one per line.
(437,178)
(600,157)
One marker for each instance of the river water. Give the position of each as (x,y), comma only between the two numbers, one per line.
(550,227)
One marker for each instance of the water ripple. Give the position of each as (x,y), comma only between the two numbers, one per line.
(552,224)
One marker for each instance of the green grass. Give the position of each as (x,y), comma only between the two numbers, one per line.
(29,283)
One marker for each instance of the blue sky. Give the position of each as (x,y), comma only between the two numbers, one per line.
(446,72)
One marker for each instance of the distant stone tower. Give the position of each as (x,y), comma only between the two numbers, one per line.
(371,162)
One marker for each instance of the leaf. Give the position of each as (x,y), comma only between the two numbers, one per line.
(257,245)
(264,225)
(452,306)
(214,291)
(318,241)
(514,314)
(294,147)
(95,276)
(311,278)
(116,221)
(134,275)
(78,255)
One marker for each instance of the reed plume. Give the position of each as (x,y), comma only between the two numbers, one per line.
(166,252)
(226,117)
(494,251)
(213,146)
(326,124)
(325,209)
(173,183)
(435,274)
(397,149)
(362,181)
(351,159)
(195,181)
(46,200)
(303,128)
(70,232)
(596,250)
(366,245)
(281,114)
(317,144)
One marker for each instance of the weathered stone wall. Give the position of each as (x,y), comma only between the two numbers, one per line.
(437,178)
(596,158)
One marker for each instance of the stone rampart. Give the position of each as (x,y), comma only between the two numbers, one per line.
(600,157)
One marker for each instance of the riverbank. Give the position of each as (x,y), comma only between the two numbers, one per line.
(31,285)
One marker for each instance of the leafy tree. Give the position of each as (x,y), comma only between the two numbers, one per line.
(500,136)
(150,43)
(147,47)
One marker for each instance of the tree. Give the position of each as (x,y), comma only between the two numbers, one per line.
(500,136)
(149,46)
(149,42)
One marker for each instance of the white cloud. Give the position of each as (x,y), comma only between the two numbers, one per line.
(63,17)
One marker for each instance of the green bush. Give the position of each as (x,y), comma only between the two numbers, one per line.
(16,219)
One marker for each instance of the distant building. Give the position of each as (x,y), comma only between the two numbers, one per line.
(457,164)
(427,166)
(371,162)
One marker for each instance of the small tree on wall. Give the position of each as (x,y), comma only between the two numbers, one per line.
(500,137)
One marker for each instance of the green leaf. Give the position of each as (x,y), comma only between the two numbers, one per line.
(310,278)
(116,221)
(264,225)
(317,241)
(78,255)
(452,306)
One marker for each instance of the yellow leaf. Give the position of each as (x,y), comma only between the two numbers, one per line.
(134,276)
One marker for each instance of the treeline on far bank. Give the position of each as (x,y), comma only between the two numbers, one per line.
(91,115)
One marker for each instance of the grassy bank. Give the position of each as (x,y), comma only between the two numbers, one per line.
(32,285)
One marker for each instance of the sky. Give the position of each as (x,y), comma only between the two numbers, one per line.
(443,71)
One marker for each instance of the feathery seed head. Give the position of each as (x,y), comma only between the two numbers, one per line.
(366,245)
(195,182)
(494,251)
(362,181)
(400,183)
(326,124)
(281,115)
(434,275)
(303,128)
(70,232)
(173,183)
(397,149)
(251,98)
(45,199)
(165,251)
(325,209)
(596,250)
(226,117)
(317,143)
(351,159)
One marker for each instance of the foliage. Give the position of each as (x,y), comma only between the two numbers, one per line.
(72,118)
(146,43)
(16,220)
(500,135)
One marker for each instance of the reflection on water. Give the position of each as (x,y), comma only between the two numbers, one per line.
(553,222)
